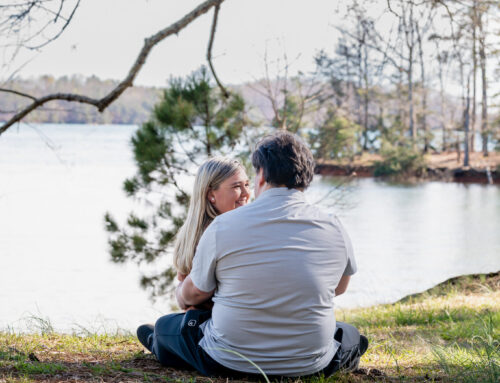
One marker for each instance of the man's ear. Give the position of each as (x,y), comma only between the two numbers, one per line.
(261,178)
(260,183)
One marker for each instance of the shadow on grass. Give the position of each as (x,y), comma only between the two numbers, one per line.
(17,367)
(145,368)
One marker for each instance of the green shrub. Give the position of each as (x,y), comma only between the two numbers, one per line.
(400,160)
(337,138)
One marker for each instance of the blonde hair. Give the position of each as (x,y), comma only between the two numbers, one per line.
(201,213)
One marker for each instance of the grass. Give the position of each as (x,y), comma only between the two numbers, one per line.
(450,333)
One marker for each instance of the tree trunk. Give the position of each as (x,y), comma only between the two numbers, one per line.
(441,96)
(410,42)
(474,75)
(424,91)
(484,104)
(366,97)
(413,132)
(359,62)
(466,124)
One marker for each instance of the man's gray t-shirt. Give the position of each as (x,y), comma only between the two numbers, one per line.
(275,264)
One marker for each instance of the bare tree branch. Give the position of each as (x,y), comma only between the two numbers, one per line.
(19,23)
(60,10)
(68,20)
(17,93)
(375,47)
(267,85)
(209,51)
(103,103)
(391,10)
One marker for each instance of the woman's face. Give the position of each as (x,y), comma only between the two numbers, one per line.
(231,193)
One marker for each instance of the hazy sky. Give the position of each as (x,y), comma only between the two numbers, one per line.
(106,36)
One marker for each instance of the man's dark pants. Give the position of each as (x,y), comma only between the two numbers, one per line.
(176,338)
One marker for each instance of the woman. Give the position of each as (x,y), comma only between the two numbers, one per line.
(221,185)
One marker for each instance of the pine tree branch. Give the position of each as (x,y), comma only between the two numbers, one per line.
(103,103)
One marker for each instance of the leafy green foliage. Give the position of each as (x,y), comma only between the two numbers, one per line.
(400,161)
(290,113)
(336,138)
(400,156)
(191,122)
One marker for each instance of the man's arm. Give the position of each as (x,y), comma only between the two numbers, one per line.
(188,294)
(342,286)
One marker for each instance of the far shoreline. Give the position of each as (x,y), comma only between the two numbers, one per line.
(440,167)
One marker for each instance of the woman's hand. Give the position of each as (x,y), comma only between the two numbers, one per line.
(188,294)
(181,276)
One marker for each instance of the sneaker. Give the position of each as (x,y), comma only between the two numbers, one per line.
(145,335)
(363,344)
(350,359)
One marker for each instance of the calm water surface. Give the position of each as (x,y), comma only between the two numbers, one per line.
(57,181)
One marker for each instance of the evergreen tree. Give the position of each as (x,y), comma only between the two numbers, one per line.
(336,138)
(191,123)
(291,116)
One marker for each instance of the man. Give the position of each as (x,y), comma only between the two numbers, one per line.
(272,268)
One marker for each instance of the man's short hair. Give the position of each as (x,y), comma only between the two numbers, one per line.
(285,160)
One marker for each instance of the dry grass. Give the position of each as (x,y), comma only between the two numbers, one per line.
(447,160)
(476,160)
(449,333)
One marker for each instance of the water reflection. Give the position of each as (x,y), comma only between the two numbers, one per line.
(409,237)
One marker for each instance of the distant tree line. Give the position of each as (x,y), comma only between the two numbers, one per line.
(134,107)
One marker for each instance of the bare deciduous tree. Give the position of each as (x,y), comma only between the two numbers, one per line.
(291,99)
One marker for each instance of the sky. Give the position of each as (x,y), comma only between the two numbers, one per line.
(105,37)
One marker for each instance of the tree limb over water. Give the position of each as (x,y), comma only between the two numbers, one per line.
(209,52)
(149,44)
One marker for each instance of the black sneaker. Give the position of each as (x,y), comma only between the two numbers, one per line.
(145,335)
(350,360)
(363,344)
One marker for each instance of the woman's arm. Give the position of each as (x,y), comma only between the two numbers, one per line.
(188,294)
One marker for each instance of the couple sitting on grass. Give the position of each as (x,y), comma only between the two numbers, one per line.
(258,280)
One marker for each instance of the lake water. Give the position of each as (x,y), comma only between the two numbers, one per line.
(57,181)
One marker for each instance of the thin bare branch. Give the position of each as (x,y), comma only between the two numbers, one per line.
(209,51)
(267,85)
(378,49)
(17,93)
(389,7)
(60,10)
(68,20)
(16,71)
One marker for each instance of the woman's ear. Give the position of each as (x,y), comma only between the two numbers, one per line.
(211,196)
